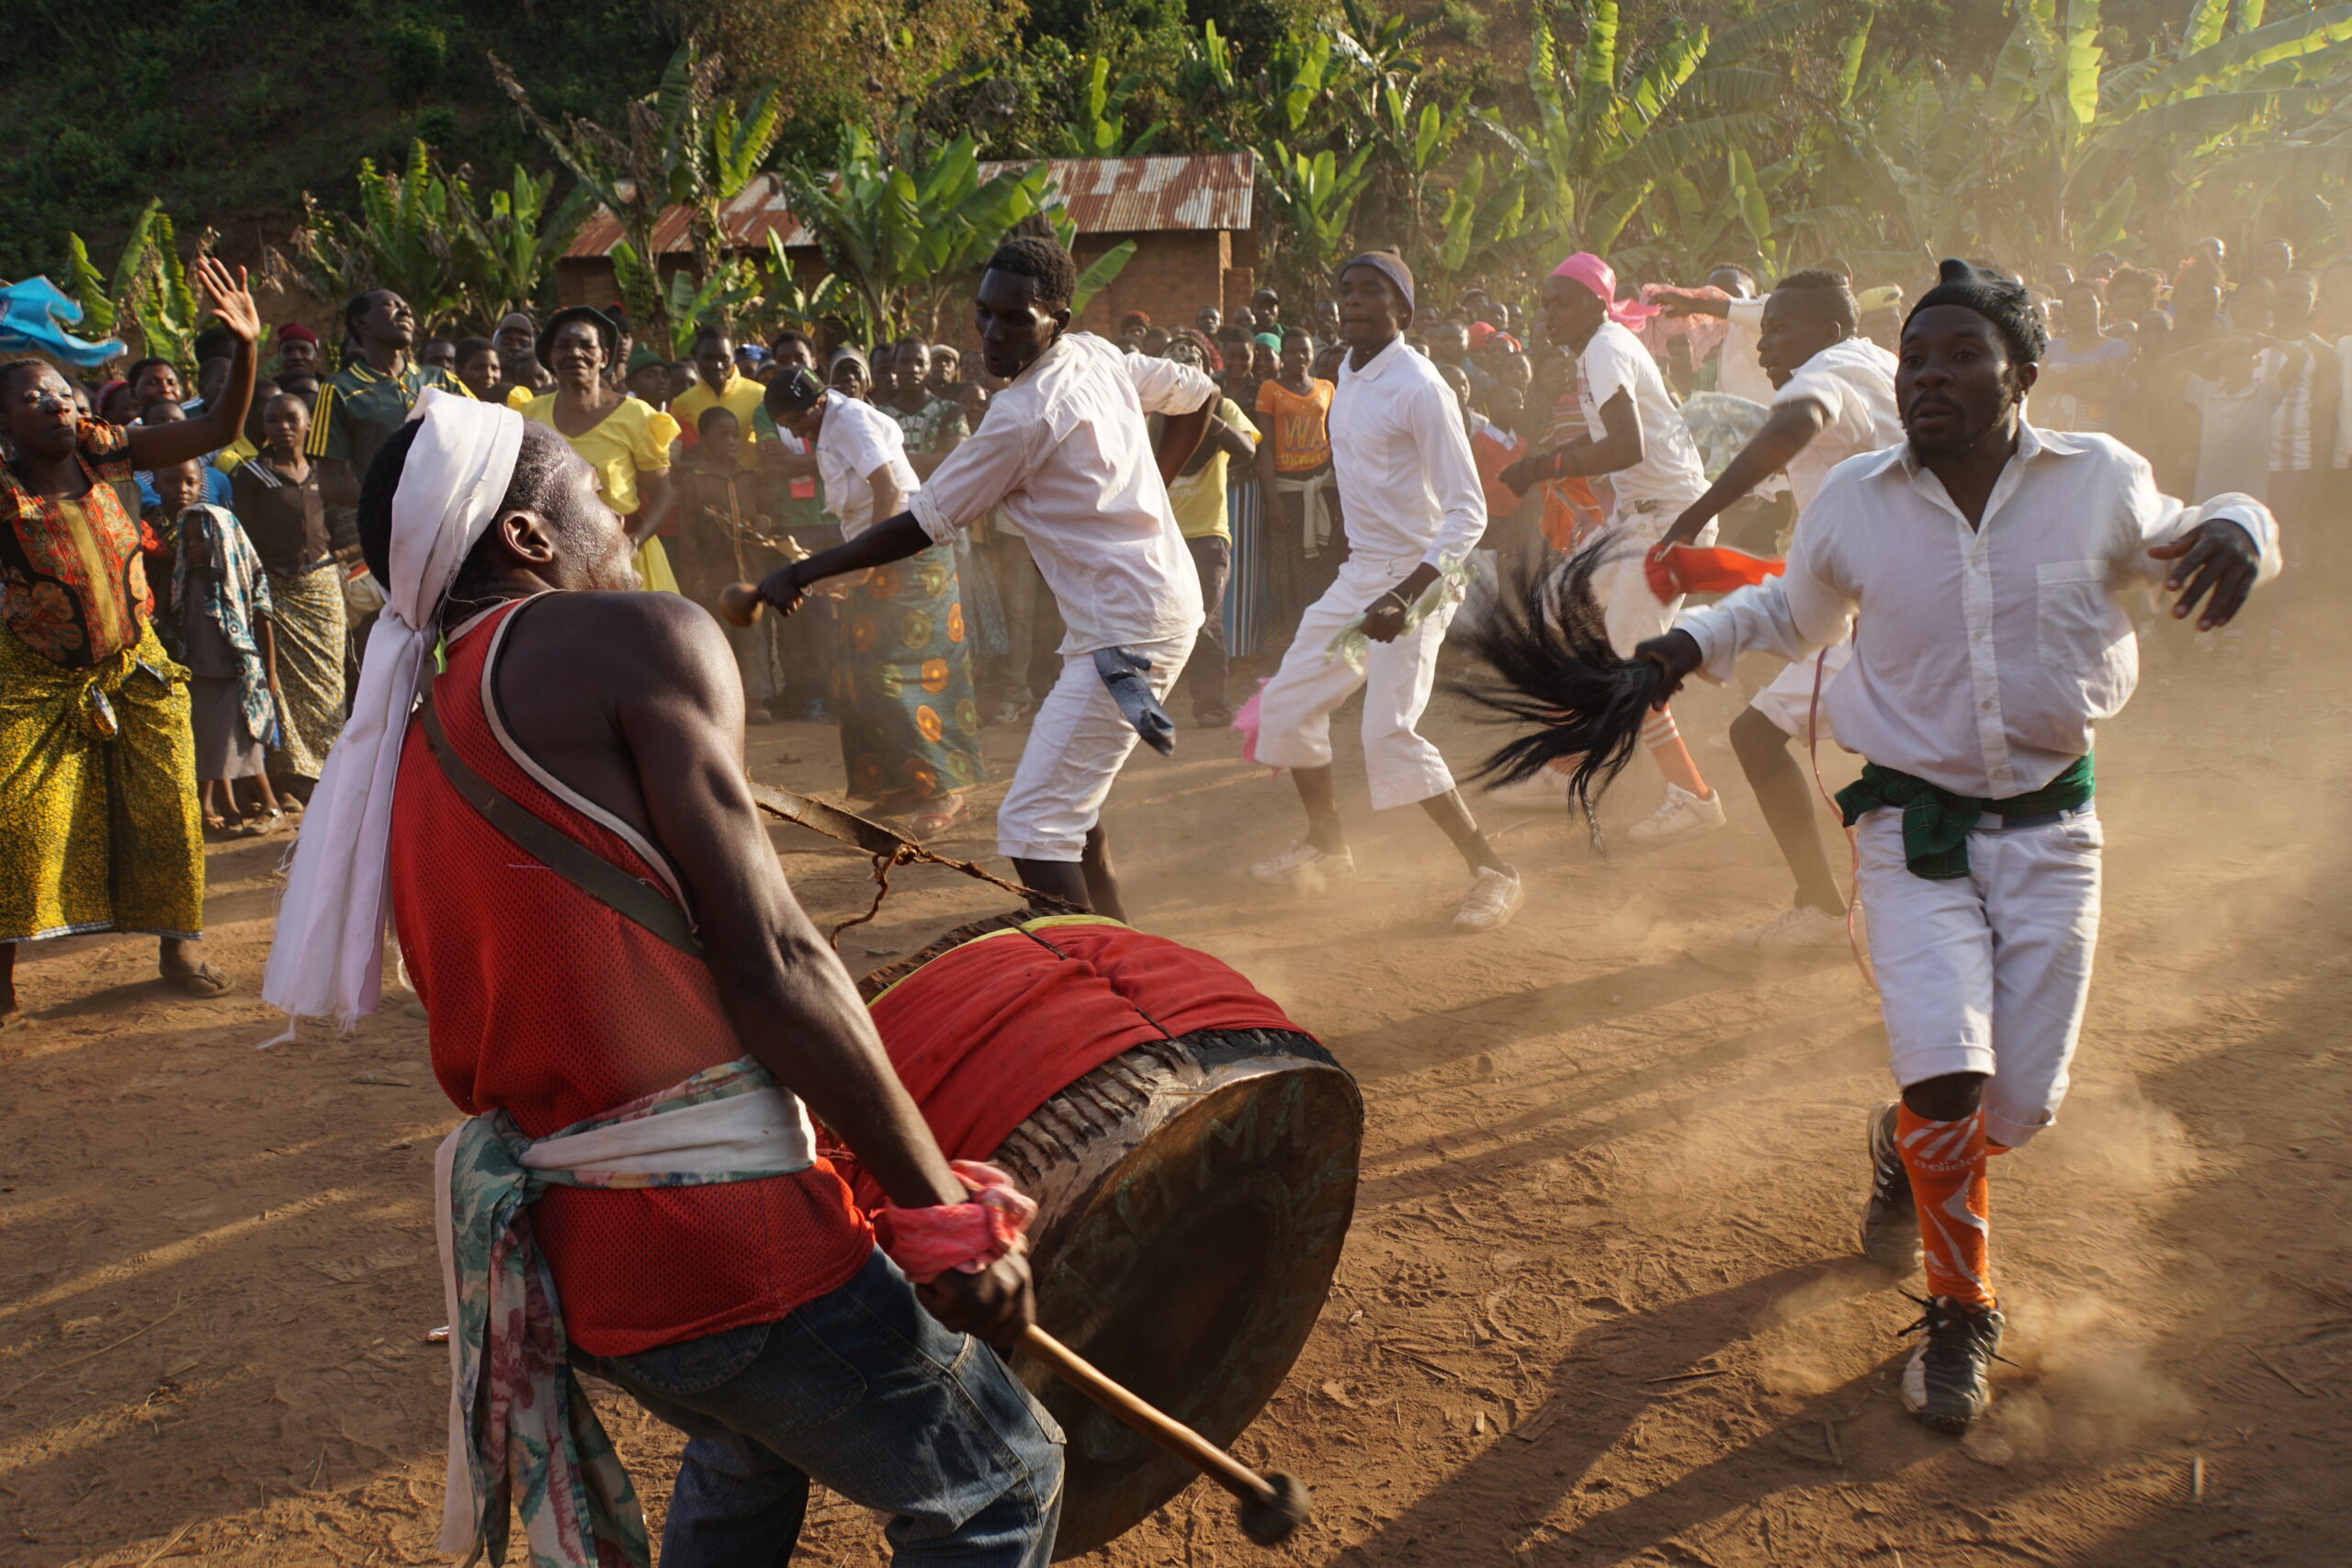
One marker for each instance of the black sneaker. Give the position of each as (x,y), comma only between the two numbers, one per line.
(1890,1217)
(1948,1382)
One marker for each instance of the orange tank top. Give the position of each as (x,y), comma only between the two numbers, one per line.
(546,1003)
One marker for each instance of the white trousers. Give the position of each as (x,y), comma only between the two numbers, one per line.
(1295,708)
(1788,700)
(1630,613)
(1076,742)
(1986,973)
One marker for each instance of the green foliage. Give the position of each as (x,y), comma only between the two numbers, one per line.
(459,262)
(148,293)
(416,56)
(902,233)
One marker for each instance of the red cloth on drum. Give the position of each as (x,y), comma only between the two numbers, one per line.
(986,1033)
(546,1002)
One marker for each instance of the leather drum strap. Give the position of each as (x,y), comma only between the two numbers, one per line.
(625,895)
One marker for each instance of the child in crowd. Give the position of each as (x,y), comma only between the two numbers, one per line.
(222,598)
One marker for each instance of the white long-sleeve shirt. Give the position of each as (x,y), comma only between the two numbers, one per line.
(1983,657)
(857,439)
(1066,452)
(1408,486)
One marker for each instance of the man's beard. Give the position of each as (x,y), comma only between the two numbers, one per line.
(1960,445)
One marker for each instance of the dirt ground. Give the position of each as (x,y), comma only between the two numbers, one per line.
(1599,1305)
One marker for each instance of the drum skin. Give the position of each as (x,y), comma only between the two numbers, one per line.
(1192,1198)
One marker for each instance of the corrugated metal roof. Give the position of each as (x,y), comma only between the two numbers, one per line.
(1102,196)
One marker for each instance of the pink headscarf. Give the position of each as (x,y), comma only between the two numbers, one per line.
(1596,275)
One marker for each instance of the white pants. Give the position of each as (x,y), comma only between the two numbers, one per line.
(1789,699)
(1630,613)
(1986,973)
(1295,708)
(1076,742)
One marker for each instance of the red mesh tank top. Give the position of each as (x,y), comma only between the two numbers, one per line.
(549,1005)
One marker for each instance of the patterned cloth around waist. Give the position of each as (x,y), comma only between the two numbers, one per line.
(523,1438)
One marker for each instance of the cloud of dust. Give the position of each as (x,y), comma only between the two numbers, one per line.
(2089,1390)
(2116,1139)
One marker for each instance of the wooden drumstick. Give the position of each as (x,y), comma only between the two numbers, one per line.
(1272,1505)
(740,604)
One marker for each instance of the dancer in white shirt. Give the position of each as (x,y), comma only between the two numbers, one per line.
(1835,401)
(1066,453)
(1984,557)
(1410,498)
(1635,436)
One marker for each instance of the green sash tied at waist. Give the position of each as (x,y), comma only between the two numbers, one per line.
(1935,822)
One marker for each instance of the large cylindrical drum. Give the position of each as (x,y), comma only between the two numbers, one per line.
(1194,1186)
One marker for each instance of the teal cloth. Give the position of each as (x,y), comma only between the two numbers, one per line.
(1935,822)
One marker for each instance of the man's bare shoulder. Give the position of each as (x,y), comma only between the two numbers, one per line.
(595,637)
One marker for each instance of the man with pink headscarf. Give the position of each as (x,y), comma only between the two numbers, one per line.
(1635,436)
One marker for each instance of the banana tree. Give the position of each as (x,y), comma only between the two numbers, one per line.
(1100,130)
(681,145)
(903,235)
(1312,206)
(503,251)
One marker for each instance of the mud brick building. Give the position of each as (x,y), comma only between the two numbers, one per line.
(1189,217)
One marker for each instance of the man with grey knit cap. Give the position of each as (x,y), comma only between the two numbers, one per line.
(1983,558)
(1414,509)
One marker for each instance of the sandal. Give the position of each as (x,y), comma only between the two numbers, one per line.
(938,817)
(203,982)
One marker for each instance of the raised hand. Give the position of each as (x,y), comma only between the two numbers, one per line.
(225,291)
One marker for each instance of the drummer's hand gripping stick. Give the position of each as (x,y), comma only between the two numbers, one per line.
(1272,1505)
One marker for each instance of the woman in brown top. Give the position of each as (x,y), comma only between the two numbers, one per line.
(277,498)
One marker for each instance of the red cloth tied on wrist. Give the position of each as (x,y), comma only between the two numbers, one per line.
(958,1238)
(1690,568)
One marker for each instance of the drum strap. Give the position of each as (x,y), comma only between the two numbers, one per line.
(626,895)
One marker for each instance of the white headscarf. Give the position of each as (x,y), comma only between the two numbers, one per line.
(327,959)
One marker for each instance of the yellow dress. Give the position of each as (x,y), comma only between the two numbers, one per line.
(631,440)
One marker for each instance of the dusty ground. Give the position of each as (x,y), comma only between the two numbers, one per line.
(1595,1308)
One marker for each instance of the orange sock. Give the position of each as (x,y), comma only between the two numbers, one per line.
(1945,1160)
(1673,758)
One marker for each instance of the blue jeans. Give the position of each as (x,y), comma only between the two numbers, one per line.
(865,1392)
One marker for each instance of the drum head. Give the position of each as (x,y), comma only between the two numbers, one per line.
(1193,1197)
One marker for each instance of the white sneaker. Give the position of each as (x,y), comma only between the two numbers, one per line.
(1494,897)
(1303,867)
(1799,926)
(1542,787)
(1679,816)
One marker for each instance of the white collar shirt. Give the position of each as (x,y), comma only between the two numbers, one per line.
(857,439)
(1984,659)
(1670,476)
(1738,370)
(1065,451)
(1853,383)
(1409,486)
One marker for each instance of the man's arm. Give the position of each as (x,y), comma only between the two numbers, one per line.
(1453,473)
(2216,553)
(1807,607)
(678,710)
(1785,434)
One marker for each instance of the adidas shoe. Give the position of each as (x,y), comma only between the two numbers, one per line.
(1890,1216)
(1306,867)
(1680,815)
(1493,896)
(1948,1382)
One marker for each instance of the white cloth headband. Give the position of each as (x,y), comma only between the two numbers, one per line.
(327,959)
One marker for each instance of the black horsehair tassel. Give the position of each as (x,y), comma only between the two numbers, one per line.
(1549,665)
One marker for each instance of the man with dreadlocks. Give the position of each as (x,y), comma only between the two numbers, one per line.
(1067,454)
(1835,400)
(1983,558)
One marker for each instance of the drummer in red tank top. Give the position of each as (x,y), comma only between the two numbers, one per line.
(754,1314)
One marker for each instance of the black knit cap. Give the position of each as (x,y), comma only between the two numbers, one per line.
(2004,304)
(793,391)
